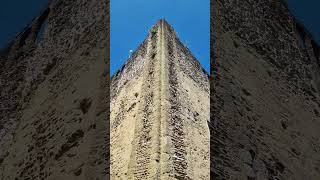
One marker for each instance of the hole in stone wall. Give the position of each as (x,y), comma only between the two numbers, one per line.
(78,172)
(284,124)
(153,55)
(316,112)
(85,105)
(131,107)
(253,154)
(280,167)
(235,44)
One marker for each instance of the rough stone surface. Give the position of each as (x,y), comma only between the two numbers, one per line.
(54,95)
(159,112)
(265,89)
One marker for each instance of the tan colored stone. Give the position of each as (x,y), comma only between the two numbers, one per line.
(162,133)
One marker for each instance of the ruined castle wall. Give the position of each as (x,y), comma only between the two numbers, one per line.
(265,99)
(54,95)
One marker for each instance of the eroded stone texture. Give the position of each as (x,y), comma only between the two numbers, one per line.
(159,112)
(54,95)
(265,89)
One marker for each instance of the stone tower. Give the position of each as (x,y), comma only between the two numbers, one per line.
(159,112)
(265,93)
(54,95)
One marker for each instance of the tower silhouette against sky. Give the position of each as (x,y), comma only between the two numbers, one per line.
(159,112)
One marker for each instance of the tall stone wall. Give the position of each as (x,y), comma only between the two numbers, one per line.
(159,112)
(265,106)
(54,95)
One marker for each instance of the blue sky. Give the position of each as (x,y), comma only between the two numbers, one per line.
(307,11)
(15,15)
(132,19)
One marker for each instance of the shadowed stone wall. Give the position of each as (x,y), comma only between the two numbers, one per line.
(265,106)
(54,95)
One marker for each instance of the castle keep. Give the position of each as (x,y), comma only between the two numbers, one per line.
(159,112)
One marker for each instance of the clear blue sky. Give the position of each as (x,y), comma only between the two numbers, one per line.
(132,19)
(308,12)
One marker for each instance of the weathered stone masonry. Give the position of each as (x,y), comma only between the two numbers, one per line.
(159,112)
(54,105)
(265,106)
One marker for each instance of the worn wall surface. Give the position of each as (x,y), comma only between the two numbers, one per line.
(159,112)
(265,106)
(54,95)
